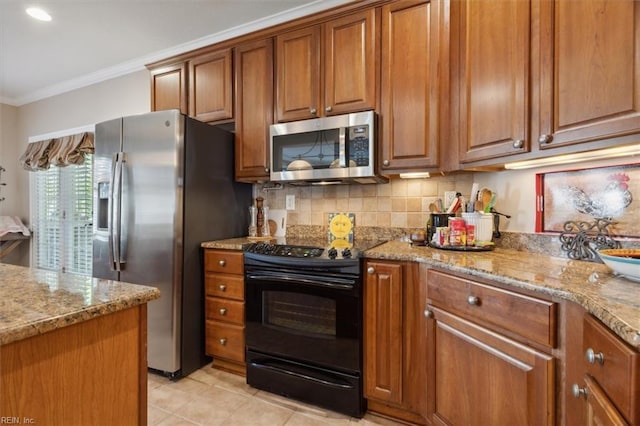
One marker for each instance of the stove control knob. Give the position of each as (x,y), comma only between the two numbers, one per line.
(346,253)
(333,253)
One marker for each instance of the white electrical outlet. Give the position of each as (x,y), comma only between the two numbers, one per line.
(449,196)
(290,202)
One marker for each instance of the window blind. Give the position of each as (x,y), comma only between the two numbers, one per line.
(62,218)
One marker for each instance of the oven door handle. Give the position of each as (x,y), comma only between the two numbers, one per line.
(337,283)
(282,370)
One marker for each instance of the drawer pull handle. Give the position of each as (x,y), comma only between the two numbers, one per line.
(577,391)
(473,301)
(223,311)
(223,287)
(223,341)
(222,262)
(428,313)
(371,270)
(593,357)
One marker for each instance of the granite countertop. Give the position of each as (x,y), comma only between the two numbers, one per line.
(35,301)
(613,300)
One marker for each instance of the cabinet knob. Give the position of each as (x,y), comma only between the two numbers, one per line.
(577,391)
(313,111)
(222,287)
(222,262)
(371,270)
(518,143)
(473,300)
(328,109)
(593,357)
(428,313)
(266,170)
(545,139)
(223,311)
(385,163)
(223,341)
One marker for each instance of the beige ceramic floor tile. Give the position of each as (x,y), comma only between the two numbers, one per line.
(155,415)
(168,398)
(257,412)
(176,421)
(306,419)
(222,379)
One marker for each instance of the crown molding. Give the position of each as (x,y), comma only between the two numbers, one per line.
(138,64)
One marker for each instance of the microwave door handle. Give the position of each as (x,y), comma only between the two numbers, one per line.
(342,145)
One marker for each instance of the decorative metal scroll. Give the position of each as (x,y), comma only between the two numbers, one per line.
(581,240)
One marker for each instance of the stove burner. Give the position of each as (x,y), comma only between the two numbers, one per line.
(284,250)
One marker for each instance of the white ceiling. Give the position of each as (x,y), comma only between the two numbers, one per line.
(94,40)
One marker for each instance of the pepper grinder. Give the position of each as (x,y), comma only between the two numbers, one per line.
(260,215)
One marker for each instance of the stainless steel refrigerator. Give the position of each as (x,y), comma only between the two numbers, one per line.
(164,183)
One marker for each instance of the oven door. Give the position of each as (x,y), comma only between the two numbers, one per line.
(304,317)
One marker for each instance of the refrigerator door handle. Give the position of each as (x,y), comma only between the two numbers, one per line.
(115,218)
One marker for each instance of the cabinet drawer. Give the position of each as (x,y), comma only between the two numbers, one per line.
(225,341)
(226,261)
(534,319)
(226,310)
(614,365)
(219,285)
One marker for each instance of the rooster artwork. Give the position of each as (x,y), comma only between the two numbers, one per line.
(604,203)
(597,206)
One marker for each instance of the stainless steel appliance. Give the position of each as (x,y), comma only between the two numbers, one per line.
(163,183)
(332,149)
(303,312)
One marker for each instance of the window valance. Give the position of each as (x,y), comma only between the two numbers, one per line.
(59,152)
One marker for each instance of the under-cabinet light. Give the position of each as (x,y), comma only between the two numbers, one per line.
(414,175)
(601,154)
(38,13)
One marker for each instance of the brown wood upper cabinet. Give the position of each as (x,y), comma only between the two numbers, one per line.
(589,81)
(253,109)
(534,74)
(411,72)
(211,86)
(169,87)
(327,69)
(490,51)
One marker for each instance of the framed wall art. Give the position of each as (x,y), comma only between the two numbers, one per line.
(605,195)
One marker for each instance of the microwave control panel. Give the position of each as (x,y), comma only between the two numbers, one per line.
(359,145)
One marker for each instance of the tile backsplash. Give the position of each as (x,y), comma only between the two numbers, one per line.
(401,203)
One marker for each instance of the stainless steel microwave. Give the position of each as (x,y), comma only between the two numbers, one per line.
(337,149)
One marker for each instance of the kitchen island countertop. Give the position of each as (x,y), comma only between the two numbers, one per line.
(613,300)
(35,301)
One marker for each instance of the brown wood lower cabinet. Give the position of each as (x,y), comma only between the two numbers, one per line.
(606,390)
(224,309)
(476,374)
(89,373)
(394,342)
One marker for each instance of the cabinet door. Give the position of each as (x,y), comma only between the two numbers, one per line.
(410,85)
(211,86)
(383,348)
(590,71)
(599,410)
(254,109)
(490,61)
(169,88)
(480,377)
(298,74)
(349,63)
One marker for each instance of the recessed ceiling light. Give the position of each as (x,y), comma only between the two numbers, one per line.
(39,14)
